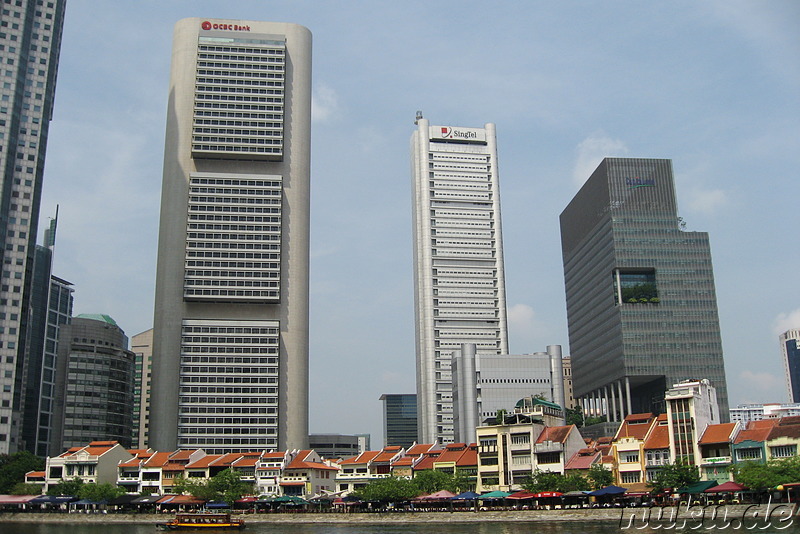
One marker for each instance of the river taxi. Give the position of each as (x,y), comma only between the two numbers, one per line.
(203,521)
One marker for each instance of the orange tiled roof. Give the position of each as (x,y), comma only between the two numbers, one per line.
(755,431)
(36,474)
(720,433)
(452,452)
(182,454)
(557,434)
(141,453)
(788,427)
(204,462)
(135,462)
(404,461)
(157,460)
(658,438)
(635,426)
(419,448)
(427,461)
(583,461)
(469,457)
(387,453)
(173,466)
(363,458)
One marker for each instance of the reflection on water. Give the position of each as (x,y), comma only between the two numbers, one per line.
(598,527)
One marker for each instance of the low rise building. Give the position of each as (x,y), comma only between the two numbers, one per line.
(93,463)
(715,452)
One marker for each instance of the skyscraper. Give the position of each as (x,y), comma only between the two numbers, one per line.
(399,419)
(458,261)
(230,340)
(641,304)
(30,42)
(790,347)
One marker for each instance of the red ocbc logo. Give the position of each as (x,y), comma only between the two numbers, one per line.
(230,27)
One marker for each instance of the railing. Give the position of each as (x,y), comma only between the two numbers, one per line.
(716,460)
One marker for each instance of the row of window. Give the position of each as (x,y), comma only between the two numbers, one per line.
(234,264)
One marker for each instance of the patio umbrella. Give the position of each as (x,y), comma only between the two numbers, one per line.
(542,494)
(697,487)
(576,493)
(608,490)
(727,487)
(522,495)
(438,496)
(465,496)
(493,495)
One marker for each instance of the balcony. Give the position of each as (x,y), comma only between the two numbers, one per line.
(548,446)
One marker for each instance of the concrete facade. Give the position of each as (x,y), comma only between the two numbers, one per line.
(230,341)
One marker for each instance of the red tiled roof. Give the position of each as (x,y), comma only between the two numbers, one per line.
(387,454)
(452,452)
(644,416)
(35,474)
(173,466)
(658,438)
(787,427)
(720,433)
(635,426)
(583,461)
(135,462)
(557,434)
(141,453)
(755,431)
(427,461)
(470,456)
(182,454)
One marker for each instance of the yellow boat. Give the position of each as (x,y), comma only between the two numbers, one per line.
(203,521)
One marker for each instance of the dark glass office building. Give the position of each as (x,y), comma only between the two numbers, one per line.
(399,419)
(641,304)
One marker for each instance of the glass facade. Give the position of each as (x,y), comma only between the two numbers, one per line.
(641,302)
(399,420)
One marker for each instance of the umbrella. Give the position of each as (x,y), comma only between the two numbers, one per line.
(290,499)
(494,495)
(608,490)
(727,487)
(217,505)
(521,495)
(576,493)
(697,487)
(548,494)
(465,496)
(439,495)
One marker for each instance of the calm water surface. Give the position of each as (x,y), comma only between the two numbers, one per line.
(419,528)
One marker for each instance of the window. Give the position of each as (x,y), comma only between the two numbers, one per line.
(630,477)
(629,457)
(784,451)
(753,453)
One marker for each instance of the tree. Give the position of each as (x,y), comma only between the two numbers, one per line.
(99,492)
(599,476)
(760,476)
(674,475)
(389,489)
(574,416)
(66,487)
(226,486)
(14,466)
(21,488)
(431,481)
(500,417)
(543,481)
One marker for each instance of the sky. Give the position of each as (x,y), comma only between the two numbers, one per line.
(713,85)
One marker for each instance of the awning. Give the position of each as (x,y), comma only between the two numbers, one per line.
(16,499)
(608,490)
(293,484)
(180,499)
(146,499)
(492,495)
(53,499)
(727,487)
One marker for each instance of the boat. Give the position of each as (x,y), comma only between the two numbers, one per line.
(203,521)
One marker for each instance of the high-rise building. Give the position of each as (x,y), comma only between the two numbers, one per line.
(399,419)
(641,303)
(94,384)
(230,340)
(142,347)
(458,261)
(30,42)
(790,349)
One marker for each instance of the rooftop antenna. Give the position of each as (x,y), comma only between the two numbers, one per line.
(419,116)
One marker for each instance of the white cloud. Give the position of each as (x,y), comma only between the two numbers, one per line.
(706,201)
(324,103)
(785,321)
(591,152)
(526,330)
(761,382)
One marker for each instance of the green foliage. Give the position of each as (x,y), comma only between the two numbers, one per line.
(389,489)
(594,420)
(66,487)
(500,417)
(227,486)
(574,416)
(759,476)
(22,488)
(674,475)
(431,480)
(14,466)
(547,481)
(599,477)
(100,492)
(639,293)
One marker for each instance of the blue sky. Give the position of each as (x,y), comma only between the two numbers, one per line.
(714,86)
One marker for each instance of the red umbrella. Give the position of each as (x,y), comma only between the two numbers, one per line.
(548,494)
(522,495)
(727,487)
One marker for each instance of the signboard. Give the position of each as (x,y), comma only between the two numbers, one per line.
(206,25)
(454,133)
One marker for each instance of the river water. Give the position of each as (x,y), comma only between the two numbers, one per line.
(604,527)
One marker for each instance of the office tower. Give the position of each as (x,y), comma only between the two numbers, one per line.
(641,304)
(230,340)
(142,347)
(458,261)
(486,383)
(332,446)
(30,42)
(399,419)
(94,384)
(790,349)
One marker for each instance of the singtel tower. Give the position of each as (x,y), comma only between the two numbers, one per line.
(230,344)
(458,261)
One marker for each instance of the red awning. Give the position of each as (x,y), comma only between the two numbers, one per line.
(293,483)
